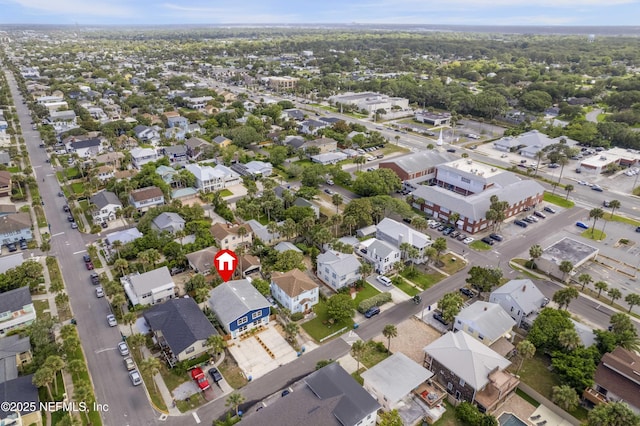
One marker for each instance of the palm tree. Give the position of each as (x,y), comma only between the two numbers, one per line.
(43,377)
(337,199)
(82,392)
(151,366)
(118,300)
(535,252)
(600,285)
(130,318)
(595,214)
(632,300)
(55,363)
(569,339)
(565,267)
(568,188)
(614,204)
(565,397)
(585,280)
(76,366)
(137,341)
(420,223)
(563,161)
(234,400)
(349,222)
(389,331)
(216,344)
(564,296)
(614,294)
(117,245)
(121,265)
(539,156)
(526,350)
(357,350)
(365,270)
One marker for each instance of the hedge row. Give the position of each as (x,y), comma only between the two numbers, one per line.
(377,300)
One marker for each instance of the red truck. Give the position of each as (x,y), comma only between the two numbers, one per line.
(198,375)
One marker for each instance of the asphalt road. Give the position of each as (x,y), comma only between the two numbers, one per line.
(127,405)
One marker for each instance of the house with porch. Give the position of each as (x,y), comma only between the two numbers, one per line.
(15,228)
(380,254)
(487,322)
(149,288)
(169,222)
(232,236)
(239,307)
(106,205)
(16,309)
(521,299)
(180,328)
(142,156)
(616,379)
(337,269)
(145,198)
(396,233)
(177,154)
(295,290)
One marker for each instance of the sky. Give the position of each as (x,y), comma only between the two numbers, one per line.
(428,12)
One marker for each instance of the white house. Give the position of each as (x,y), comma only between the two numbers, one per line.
(145,198)
(16,309)
(150,287)
(520,299)
(85,148)
(15,227)
(338,269)
(142,156)
(380,254)
(295,290)
(487,322)
(107,204)
(209,179)
(396,233)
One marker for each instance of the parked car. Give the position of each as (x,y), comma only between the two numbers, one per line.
(371,312)
(467,292)
(215,374)
(384,280)
(70,218)
(285,392)
(496,237)
(129,364)
(111,320)
(89,266)
(540,214)
(74,225)
(200,378)
(65,209)
(135,377)
(438,317)
(549,209)
(487,240)
(23,245)
(597,188)
(95,278)
(605,204)
(527,219)
(461,237)
(582,225)
(328,191)
(520,223)
(638,229)
(451,150)
(468,240)
(99,292)
(12,247)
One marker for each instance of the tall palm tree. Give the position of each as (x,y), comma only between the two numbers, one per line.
(601,285)
(336,199)
(595,214)
(569,339)
(539,156)
(568,188)
(130,318)
(357,350)
(137,341)
(83,392)
(118,300)
(55,363)
(43,377)
(614,204)
(389,331)
(526,350)
(585,280)
(151,366)
(216,344)
(234,400)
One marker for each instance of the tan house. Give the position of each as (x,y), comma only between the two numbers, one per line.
(5,183)
(232,236)
(295,290)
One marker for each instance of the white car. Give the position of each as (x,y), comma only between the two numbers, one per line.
(123,348)
(384,280)
(468,240)
(135,377)
(100,293)
(111,319)
(581,182)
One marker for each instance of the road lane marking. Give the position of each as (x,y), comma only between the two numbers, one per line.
(195,416)
(81,251)
(59,233)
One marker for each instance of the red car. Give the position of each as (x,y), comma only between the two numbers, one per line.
(198,375)
(89,265)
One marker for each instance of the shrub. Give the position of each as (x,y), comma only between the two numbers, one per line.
(296,316)
(377,300)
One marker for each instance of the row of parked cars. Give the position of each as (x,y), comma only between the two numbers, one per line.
(534,218)
(450,231)
(12,246)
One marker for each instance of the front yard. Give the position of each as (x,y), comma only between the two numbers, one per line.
(421,278)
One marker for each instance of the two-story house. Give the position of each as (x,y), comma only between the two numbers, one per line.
(616,379)
(231,236)
(145,198)
(168,222)
(239,307)
(105,172)
(177,154)
(295,290)
(337,269)
(521,299)
(209,179)
(142,156)
(396,233)
(380,254)
(180,328)
(149,288)
(16,309)
(86,148)
(146,134)
(485,321)
(106,206)
(15,227)
(177,121)
(221,141)
(469,370)
(5,183)
(196,147)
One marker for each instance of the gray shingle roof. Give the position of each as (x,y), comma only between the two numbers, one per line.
(523,292)
(166,219)
(14,300)
(489,319)
(144,283)
(233,299)
(341,263)
(20,390)
(181,321)
(87,143)
(104,198)
(418,161)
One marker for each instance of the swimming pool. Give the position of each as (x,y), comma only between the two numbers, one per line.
(510,419)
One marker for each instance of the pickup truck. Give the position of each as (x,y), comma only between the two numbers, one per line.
(198,375)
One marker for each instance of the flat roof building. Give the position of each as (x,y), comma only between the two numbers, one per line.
(574,251)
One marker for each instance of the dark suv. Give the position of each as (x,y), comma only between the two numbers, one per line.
(438,317)
(371,312)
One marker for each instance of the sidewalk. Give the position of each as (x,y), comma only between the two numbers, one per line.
(162,388)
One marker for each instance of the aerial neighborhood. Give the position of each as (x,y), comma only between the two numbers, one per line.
(418,228)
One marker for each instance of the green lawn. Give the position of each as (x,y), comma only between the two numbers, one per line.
(557,200)
(70,173)
(41,306)
(452,264)
(424,280)
(77,188)
(367,291)
(225,193)
(406,287)
(154,394)
(616,218)
(449,417)
(14,169)
(527,398)
(535,373)
(392,147)
(320,327)
(373,354)
(597,234)
(480,246)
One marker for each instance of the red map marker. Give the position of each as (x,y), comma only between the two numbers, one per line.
(225,262)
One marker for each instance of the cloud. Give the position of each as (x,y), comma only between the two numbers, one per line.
(109,8)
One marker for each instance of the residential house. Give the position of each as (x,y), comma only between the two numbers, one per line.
(470,371)
(177,154)
(201,261)
(85,148)
(295,290)
(616,379)
(325,145)
(255,169)
(5,158)
(16,309)
(521,299)
(6,209)
(63,120)
(248,264)
(169,222)
(487,322)
(142,156)
(168,175)
(197,103)
(178,121)
(210,179)
(15,352)
(221,141)
(106,206)
(125,236)
(337,269)
(303,202)
(311,127)
(15,227)
(286,246)
(180,328)
(11,261)
(110,158)
(5,183)
(23,394)
(382,255)
(232,236)
(145,198)
(239,307)
(196,147)
(149,288)
(263,234)
(185,195)
(146,134)
(177,133)
(394,379)
(295,114)
(106,172)
(396,233)
(330,397)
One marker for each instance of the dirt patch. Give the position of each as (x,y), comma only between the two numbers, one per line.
(413,336)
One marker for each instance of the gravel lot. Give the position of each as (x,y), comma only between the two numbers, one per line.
(413,336)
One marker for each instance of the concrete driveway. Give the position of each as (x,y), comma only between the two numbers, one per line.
(261,353)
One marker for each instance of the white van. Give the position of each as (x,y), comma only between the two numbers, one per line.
(384,280)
